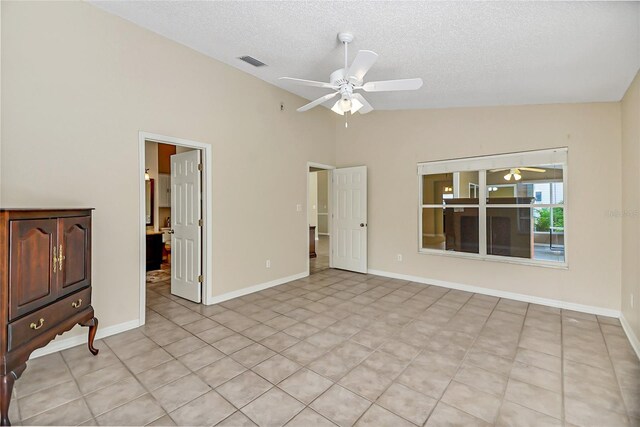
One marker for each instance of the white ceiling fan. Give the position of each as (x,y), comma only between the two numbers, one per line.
(349,79)
(516,172)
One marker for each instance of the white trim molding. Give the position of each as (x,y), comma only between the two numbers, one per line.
(329,169)
(207,199)
(633,339)
(65,343)
(502,294)
(255,288)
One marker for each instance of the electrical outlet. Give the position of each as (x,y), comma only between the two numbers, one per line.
(399,257)
(268,263)
(631,300)
(299,208)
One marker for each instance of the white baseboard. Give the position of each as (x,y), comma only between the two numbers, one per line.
(502,294)
(65,343)
(251,289)
(633,339)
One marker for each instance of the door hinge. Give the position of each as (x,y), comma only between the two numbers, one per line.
(199,166)
(200,279)
(200,222)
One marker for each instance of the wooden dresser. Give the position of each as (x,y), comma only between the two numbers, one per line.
(45,290)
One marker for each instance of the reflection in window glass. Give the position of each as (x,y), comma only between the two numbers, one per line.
(437,188)
(526,184)
(509,232)
(433,228)
(452,229)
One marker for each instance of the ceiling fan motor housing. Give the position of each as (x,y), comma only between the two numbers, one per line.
(345,86)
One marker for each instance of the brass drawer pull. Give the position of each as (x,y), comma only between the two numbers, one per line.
(55,259)
(77,304)
(38,326)
(60,259)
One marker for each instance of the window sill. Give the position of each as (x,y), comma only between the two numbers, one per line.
(497,258)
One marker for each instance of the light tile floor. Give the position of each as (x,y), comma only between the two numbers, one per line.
(342,348)
(321,262)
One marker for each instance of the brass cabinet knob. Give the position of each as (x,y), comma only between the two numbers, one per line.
(77,304)
(38,326)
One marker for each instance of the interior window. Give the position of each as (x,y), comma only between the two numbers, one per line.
(450,209)
(521,217)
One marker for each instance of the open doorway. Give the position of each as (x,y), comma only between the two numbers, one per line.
(319,216)
(174,240)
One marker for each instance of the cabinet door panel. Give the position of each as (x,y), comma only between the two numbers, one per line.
(75,240)
(32,279)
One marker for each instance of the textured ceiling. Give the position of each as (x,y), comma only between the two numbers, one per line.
(467,53)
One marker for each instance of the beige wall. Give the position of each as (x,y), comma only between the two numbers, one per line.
(79,84)
(630,212)
(390,143)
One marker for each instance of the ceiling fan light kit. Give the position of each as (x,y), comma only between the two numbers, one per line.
(516,173)
(345,81)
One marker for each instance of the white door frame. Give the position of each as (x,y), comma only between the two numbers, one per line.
(329,209)
(207,197)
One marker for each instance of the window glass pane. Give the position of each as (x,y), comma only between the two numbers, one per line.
(525,185)
(433,228)
(509,232)
(549,234)
(438,188)
(451,229)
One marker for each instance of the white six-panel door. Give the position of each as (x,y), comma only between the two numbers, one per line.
(349,235)
(186,212)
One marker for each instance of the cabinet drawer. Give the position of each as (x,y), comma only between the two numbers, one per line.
(40,322)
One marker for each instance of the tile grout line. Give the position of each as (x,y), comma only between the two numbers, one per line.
(250,369)
(82,395)
(615,373)
(138,381)
(409,364)
(329,282)
(350,370)
(495,307)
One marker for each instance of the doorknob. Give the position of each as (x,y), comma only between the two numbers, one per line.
(362,224)
(171,231)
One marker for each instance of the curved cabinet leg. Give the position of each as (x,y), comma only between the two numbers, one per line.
(6,387)
(93,328)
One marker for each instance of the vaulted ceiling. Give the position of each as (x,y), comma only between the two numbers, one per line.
(467,53)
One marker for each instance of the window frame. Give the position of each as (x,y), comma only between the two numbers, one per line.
(528,158)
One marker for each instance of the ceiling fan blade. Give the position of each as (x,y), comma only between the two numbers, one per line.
(533,169)
(366,107)
(317,102)
(361,64)
(308,83)
(389,85)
